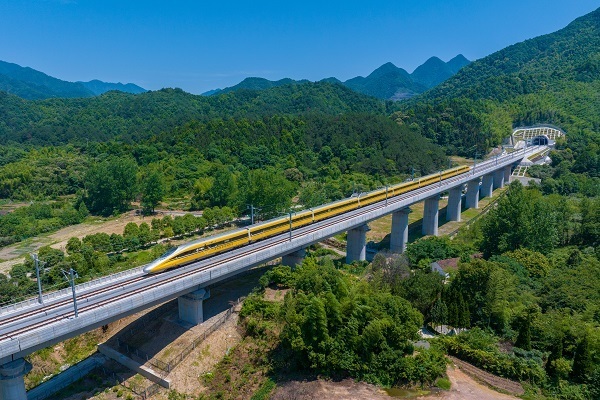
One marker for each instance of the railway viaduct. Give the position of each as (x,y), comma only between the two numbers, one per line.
(28,326)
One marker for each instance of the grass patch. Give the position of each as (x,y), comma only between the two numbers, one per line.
(443,383)
(49,361)
(265,390)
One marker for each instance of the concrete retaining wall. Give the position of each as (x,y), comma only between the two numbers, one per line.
(134,366)
(65,378)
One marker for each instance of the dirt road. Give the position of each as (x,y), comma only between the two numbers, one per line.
(12,255)
(466,388)
(463,388)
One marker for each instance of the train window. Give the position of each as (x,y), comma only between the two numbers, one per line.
(168,252)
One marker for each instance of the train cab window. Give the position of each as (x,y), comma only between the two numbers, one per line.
(168,252)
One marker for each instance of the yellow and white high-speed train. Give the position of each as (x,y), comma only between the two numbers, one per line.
(212,245)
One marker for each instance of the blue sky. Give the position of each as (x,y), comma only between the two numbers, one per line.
(202,45)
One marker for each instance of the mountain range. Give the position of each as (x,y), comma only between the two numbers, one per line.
(387,82)
(554,78)
(30,84)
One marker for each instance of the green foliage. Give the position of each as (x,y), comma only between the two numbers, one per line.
(542,80)
(134,117)
(110,185)
(479,348)
(536,264)
(443,383)
(42,173)
(582,363)
(432,248)
(487,290)
(266,189)
(334,325)
(37,218)
(153,191)
(522,219)
(280,275)
(264,392)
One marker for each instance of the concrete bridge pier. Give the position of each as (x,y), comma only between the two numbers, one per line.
(356,245)
(472,200)
(12,385)
(507,172)
(190,306)
(430,216)
(399,235)
(499,179)
(487,185)
(454,204)
(293,259)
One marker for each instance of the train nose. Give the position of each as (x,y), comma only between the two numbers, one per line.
(148,269)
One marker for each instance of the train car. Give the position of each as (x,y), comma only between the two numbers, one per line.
(302,218)
(206,247)
(198,249)
(269,228)
(332,209)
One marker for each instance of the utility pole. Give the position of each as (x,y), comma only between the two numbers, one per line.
(386,194)
(251,207)
(475,161)
(70,277)
(37,262)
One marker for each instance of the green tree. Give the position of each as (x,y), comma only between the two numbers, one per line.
(524,337)
(117,242)
(50,256)
(145,234)
(110,185)
(131,236)
(131,229)
(439,313)
(153,191)
(267,189)
(589,232)
(582,363)
(507,226)
(179,226)
(223,190)
(73,245)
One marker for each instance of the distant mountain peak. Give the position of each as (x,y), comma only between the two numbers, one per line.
(386,82)
(30,84)
(457,63)
(435,71)
(98,87)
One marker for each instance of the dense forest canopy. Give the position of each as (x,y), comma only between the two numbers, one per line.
(127,117)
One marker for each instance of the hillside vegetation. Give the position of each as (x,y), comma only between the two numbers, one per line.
(130,117)
(30,84)
(553,78)
(387,82)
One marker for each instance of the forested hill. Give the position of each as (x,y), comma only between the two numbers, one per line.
(128,117)
(388,82)
(254,83)
(30,84)
(571,54)
(554,78)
